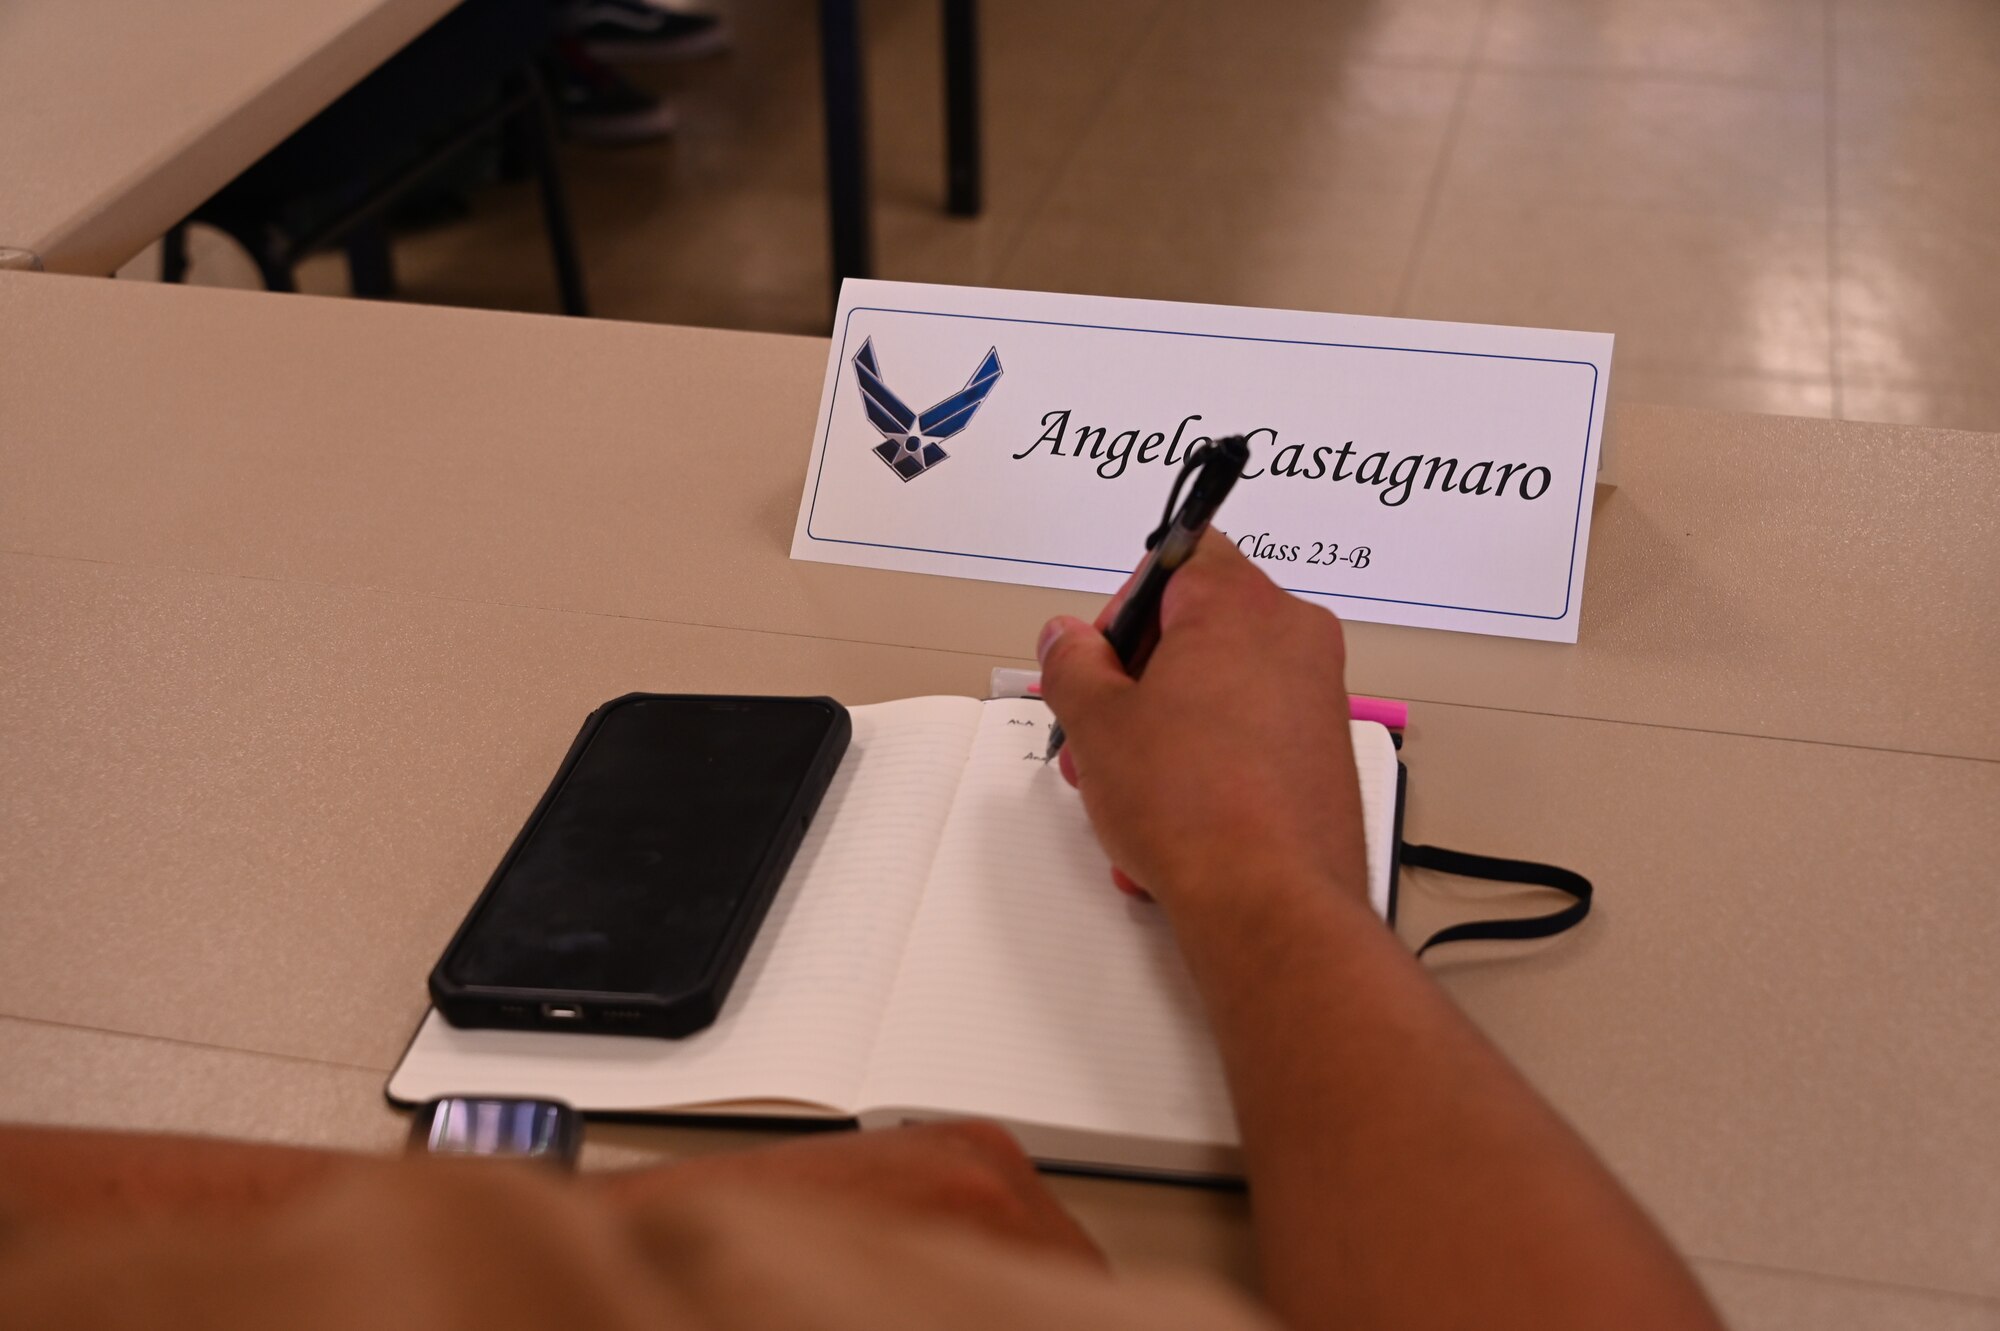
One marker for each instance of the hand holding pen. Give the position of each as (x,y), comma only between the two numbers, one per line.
(1232,756)
(1135,627)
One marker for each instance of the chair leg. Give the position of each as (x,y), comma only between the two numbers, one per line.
(961,107)
(277,272)
(537,138)
(846,140)
(274,261)
(174,254)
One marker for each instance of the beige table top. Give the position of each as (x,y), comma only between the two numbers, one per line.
(554,469)
(305,598)
(120,118)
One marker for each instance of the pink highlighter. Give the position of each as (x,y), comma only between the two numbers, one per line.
(1395,715)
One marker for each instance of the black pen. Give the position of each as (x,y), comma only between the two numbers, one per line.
(1135,629)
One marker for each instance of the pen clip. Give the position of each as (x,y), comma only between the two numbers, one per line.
(1196,459)
(1217,460)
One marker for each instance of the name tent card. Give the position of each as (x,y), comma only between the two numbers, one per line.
(1431,474)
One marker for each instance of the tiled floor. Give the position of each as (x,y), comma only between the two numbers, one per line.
(1777,205)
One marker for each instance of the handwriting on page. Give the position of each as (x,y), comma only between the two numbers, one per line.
(1037,755)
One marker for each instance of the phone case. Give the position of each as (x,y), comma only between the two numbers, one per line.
(690,1005)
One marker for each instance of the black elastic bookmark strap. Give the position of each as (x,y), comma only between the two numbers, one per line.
(1498,870)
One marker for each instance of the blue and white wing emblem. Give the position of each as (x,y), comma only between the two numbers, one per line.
(910,441)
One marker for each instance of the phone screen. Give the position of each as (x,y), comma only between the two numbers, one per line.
(630,878)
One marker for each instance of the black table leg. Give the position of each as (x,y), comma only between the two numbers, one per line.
(536,136)
(961,107)
(846,139)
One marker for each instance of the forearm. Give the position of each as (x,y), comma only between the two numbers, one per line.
(1400,1171)
(50,1175)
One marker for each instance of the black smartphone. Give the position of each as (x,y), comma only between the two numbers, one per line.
(628,901)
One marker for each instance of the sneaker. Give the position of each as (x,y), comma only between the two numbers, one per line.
(619,30)
(597,104)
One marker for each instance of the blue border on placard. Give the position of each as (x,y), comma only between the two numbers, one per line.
(1583,479)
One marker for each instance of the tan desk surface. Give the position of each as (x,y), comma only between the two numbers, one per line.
(638,470)
(304,599)
(122,117)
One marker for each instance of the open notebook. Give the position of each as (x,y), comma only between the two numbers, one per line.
(946,944)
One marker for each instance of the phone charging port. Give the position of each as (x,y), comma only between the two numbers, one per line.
(562,1012)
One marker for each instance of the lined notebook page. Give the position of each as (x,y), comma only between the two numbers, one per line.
(1034,991)
(802,1017)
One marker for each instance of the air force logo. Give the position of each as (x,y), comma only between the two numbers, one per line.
(910,441)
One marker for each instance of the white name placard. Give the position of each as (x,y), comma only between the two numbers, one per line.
(1429,474)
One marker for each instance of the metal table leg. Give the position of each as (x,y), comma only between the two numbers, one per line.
(961,107)
(846,140)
